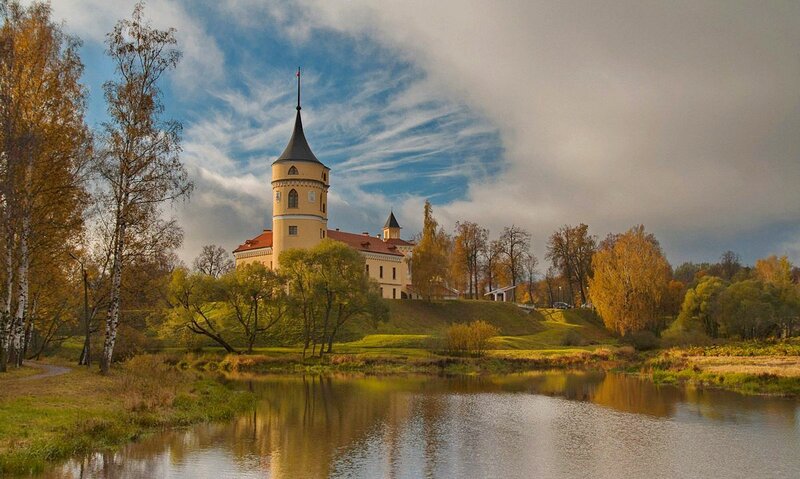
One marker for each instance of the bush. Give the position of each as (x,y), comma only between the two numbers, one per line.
(148,383)
(572,338)
(681,334)
(642,340)
(470,338)
(130,342)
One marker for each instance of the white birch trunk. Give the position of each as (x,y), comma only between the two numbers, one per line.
(18,329)
(112,321)
(5,320)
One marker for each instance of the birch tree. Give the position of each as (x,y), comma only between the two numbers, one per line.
(43,142)
(139,163)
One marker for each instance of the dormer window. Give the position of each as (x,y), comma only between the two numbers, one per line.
(293,170)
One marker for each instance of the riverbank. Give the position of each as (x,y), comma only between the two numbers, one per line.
(53,418)
(771,368)
(49,418)
(408,361)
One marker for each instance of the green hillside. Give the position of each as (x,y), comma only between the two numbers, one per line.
(572,327)
(434,317)
(422,324)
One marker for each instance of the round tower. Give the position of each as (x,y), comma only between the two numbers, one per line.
(300,185)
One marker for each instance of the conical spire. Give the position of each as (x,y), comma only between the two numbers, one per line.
(391,222)
(298,149)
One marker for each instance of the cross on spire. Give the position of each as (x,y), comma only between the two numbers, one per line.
(298,88)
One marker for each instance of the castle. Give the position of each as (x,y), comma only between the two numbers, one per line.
(300,185)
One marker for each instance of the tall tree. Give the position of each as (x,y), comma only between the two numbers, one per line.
(430,257)
(729,265)
(631,277)
(515,243)
(139,161)
(570,249)
(468,244)
(529,267)
(492,261)
(43,142)
(214,261)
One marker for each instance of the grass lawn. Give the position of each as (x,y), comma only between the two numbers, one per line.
(47,419)
(434,317)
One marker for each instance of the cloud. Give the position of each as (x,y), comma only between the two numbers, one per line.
(378,135)
(202,64)
(682,116)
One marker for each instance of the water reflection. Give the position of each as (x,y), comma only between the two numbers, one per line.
(580,424)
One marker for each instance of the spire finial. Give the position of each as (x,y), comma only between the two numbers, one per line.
(298,88)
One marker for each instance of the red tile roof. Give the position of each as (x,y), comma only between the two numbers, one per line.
(399,242)
(359,242)
(264,240)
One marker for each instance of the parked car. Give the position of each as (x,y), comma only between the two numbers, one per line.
(561,305)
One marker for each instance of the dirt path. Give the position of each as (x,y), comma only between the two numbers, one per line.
(48,370)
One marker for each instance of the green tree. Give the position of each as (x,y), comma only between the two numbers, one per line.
(256,299)
(328,286)
(698,304)
(747,310)
(197,309)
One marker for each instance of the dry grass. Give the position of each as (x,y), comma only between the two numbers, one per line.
(786,366)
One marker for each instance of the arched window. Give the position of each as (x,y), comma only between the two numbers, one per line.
(293,199)
(293,171)
(324,176)
(323,207)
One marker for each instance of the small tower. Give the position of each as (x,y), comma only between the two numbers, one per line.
(300,185)
(391,229)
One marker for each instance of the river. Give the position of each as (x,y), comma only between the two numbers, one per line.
(550,425)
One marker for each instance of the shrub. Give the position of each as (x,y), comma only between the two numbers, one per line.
(130,342)
(642,340)
(676,335)
(572,338)
(470,338)
(148,383)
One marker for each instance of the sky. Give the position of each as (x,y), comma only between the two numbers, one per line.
(683,116)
